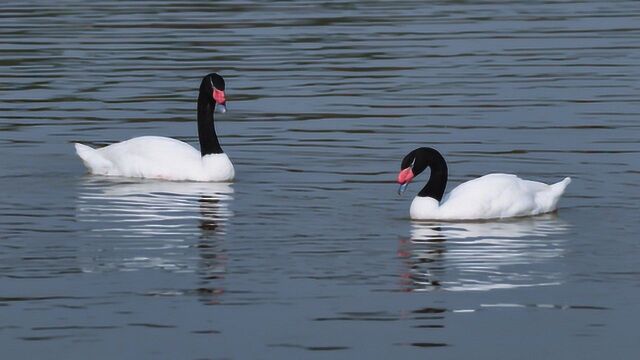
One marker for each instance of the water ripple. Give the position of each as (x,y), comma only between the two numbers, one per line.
(484,255)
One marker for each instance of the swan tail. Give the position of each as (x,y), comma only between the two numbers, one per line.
(558,188)
(547,201)
(92,159)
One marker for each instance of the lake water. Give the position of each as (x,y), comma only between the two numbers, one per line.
(310,253)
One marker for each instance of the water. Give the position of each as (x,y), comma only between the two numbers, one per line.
(310,253)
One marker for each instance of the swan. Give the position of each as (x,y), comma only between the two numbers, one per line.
(156,157)
(493,196)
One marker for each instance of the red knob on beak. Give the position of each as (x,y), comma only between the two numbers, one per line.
(405,176)
(218,96)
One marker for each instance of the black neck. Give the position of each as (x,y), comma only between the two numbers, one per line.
(438,179)
(206,129)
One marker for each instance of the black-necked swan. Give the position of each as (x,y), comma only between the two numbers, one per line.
(493,196)
(156,157)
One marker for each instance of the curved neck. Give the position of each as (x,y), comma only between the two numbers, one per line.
(206,129)
(439,173)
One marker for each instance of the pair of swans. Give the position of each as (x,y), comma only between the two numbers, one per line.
(488,197)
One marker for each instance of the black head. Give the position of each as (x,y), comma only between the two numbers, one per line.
(216,81)
(212,88)
(417,161)
(212,81)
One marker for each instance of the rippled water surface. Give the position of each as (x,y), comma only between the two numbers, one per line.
(310,253)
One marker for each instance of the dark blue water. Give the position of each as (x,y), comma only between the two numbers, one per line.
(311,253)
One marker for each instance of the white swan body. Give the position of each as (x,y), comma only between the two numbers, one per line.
(156,157)
(493,196)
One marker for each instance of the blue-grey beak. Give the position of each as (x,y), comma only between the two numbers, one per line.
(402,188)
(221,108)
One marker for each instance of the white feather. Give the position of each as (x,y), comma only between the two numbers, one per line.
(156,157)
(492,196)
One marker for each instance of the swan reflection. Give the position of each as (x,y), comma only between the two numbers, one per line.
(483,255)
(155,224)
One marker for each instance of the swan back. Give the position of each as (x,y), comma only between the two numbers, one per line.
(491,196)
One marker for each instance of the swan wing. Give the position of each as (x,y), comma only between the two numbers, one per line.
(501,196)
(145,157)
